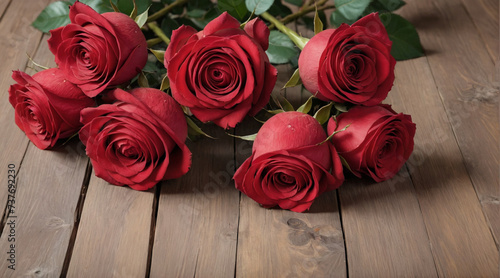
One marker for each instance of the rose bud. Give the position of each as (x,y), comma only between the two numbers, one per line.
(288,167)
(349,64)
(377,142)
(138,140)
(98,51)
(221,73)
(47,106)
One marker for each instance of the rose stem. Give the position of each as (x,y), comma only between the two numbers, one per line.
(154,41)
(157,30)
(166,10)
(305,10)
(299,41)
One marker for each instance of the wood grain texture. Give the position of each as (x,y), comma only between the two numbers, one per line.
(484,14)
(197,222)
(384,230)
(44,214)
(3,6)
(462,243)
(281,243)
(464,74)
(114,230)
(18,38)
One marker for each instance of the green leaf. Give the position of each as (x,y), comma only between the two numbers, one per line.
(127,6)
(53,16)
(294,80)
(297,3)
(279,10)
(250,137)
(336,19)
(194,129)
(351,9)
(168,25)
(405,40)
(391,5)
(159,54)
(318,25)
(196,13)
(258,6)
(236,8)
(142,18)
(323,114)
(100,6)
(281,48)
(306,107)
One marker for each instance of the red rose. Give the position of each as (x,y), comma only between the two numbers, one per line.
(221,73)
(98,51)
(287,166)
(138,140)
(377,143)
(349,64)
(47,106)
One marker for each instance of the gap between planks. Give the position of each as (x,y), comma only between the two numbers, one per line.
(78,215)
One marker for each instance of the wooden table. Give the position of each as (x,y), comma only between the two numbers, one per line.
(440,216)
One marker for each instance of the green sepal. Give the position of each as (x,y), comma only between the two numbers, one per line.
(318,25)
(159,54)
(306,107)
(294,80)
(323,114)
(142,80)
(133,14)
(165,83)
(142,18)
(115,8)
(195,130)
(250,137)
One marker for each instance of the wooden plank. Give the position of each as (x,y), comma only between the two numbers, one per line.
(281,243)
(384,231)
(464,74)
(113,235)
(484,14)
(18,38)
(40,225)
(3,6)
(461,242)
(197,222)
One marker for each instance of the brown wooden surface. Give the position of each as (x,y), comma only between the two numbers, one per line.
(197,223)
(439,217)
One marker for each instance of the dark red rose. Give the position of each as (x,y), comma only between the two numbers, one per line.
(349,64)
(221,73)
(138,140)
(98,51)
(377,143)
(287,167)
(47,106)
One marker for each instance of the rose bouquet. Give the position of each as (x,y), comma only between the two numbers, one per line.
(135,79)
